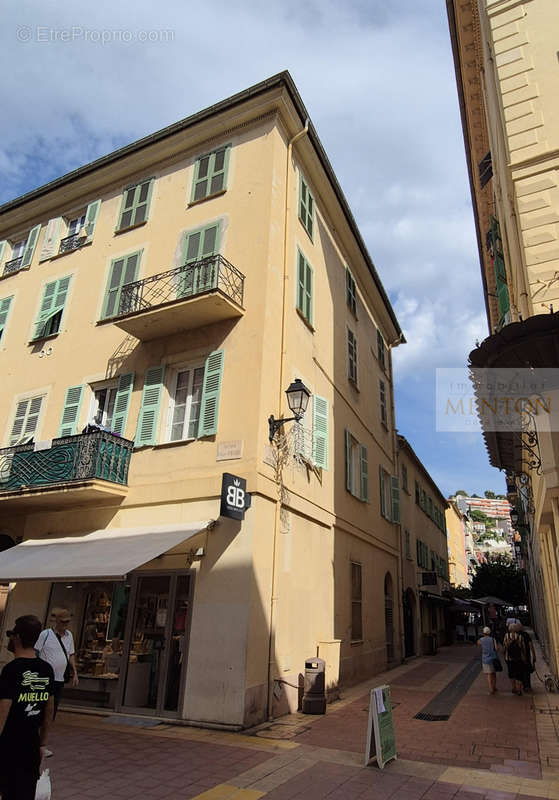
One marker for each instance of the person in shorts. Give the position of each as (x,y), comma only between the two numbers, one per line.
(26,710)
(488,655)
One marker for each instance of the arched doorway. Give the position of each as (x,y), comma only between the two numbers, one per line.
(409,623)
(389,617)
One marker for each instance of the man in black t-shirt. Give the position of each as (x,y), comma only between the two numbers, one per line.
(26,710)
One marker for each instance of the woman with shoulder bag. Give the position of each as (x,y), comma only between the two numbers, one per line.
(515,656)
(55,645)
(490,662)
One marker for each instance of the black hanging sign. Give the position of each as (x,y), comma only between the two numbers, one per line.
(234,497)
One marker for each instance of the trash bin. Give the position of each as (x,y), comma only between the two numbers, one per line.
(314,697)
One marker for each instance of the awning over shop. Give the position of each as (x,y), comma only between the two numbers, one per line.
(434,598)
(108,554)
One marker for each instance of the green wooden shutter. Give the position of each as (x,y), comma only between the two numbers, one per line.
(364,472)
(383,509)
(207,425)
(4,311)
(135,204)
(3,244)
(395,491)
(306,206)
(348,464)
(54,299)
(210,174)
(122,402)
(26,419)
(71,411)
(91,218)
(123,270)
(30,246)
(51,239)
(320,432)
(146,432)
(304,287)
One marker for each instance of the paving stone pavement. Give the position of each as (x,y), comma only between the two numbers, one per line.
(492,748)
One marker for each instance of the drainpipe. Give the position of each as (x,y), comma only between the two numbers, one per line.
(274,598)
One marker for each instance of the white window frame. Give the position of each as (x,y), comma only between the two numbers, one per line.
(386,498)
(75,218)
(21,244)
(93,407)
(172,390)
(355,466)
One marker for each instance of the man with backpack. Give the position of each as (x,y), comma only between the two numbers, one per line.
(515,656)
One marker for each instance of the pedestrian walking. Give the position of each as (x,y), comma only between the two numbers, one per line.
(530,663)
(26,712)
(515,656)
(56,646)
(490,663)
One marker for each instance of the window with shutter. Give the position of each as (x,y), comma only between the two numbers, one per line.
(382,393)
(146,433)
(363,473)
(5,304)
(385,494)
(26,420)
(51,239)
(320,432)
(351,356)
(408,544)
(356,602)
(404,478)
(395,491)
(122,403)
(304,288)
(306,206)
(209,411)
(351,291)
(210,174)
(71,411)
(52,307)
(186,400)
(123,270)
(381,349)
(357,468)
(30,246)
(134,208)
(199,246)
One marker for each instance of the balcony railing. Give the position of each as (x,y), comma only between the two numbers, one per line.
(69,243)
(70,459)
(211,274)
(12,266)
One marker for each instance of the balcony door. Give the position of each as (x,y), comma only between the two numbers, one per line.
(156,644)
(199,246)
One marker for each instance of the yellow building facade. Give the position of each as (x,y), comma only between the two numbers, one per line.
(154,307)
(506,65)
(424,556)
(456,530)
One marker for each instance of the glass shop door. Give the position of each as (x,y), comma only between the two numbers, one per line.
(156,644)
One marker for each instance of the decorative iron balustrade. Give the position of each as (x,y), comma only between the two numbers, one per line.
(71,458)
(73,242)
(12,266)
(213,273)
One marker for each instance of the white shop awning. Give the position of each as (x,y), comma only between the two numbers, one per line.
(108,554)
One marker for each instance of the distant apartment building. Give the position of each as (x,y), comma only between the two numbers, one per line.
(458,564)
(155,306)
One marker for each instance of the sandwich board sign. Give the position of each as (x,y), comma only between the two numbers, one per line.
(381,740)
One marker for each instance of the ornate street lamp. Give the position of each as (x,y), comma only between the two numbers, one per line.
(298,399)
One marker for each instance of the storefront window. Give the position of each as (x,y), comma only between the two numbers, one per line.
(98,611)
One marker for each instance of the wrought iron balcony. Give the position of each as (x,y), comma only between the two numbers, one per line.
(180,299)
(12,266)
(70,460)
(69,243)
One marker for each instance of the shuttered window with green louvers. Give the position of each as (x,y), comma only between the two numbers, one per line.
(5,304)
(71,411)
(134,209)
(306,206)
(304,288)
(52,308)
(210,174)
(123,271)
(26,420)
(503,299)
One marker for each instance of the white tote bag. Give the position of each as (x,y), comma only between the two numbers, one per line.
(42,792)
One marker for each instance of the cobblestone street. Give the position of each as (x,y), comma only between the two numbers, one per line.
(498,747)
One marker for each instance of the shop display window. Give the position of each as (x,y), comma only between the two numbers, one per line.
(98,612)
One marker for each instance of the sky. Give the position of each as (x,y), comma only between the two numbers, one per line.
(377,78)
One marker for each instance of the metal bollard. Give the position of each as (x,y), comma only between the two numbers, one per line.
(314,697)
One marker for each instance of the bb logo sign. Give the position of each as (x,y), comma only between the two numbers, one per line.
(234,497)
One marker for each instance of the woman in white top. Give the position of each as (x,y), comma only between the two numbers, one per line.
(56,646)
